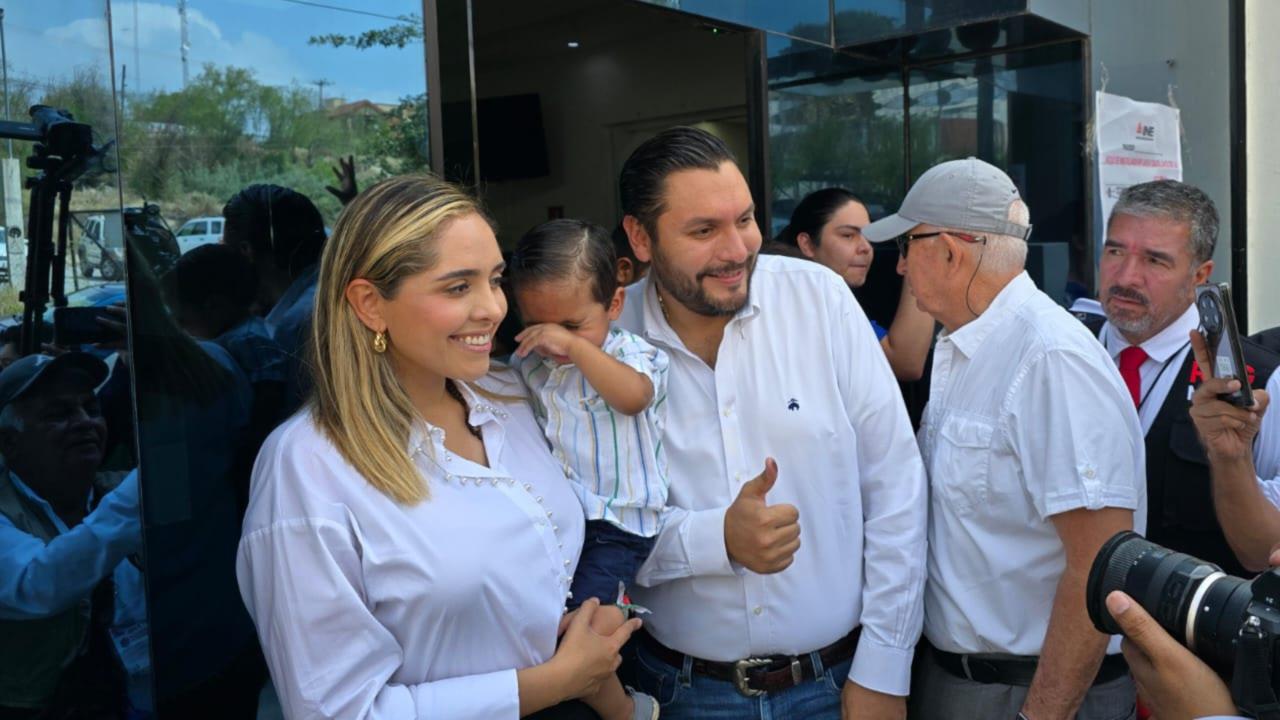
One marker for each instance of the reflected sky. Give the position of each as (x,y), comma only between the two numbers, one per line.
(268,36)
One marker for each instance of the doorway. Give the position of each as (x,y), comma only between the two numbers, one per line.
(567,89)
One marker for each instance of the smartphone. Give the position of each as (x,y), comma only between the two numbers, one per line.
(1218,325)
(74,326)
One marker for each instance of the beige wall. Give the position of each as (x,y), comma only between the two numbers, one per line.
(1262,95)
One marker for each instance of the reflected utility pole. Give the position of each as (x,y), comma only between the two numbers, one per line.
(320,85)
(4,62)
(186,43)
(137,65)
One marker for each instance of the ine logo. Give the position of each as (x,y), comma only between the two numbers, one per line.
(793,405)
(1145,131)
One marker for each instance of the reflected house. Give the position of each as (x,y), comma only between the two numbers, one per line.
(361,112)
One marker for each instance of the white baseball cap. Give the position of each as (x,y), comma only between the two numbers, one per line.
(964,194)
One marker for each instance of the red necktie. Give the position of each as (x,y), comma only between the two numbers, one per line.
(1131,358)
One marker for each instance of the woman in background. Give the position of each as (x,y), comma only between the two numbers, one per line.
(826,227)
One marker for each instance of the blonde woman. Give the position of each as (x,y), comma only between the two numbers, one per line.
(410,541)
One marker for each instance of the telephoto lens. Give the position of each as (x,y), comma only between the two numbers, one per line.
(1198,604)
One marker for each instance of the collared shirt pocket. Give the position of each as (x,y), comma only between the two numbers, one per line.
(961,462)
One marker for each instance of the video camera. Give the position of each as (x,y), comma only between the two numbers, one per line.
(1233,625)
(63,151)
(55,129)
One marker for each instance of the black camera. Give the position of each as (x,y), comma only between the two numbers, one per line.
(63,152)
(1233,625)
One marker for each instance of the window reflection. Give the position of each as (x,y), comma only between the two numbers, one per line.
(246,125)
(833,121)
(838,121)
(1022,111)
(860,21)
(72,605)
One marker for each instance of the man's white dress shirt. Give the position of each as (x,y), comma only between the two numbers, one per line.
(799,377)
(368,608)
(1166,352)
(1027,418)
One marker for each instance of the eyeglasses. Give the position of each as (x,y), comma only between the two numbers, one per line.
(904,241)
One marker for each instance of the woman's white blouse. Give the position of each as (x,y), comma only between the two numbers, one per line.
(371,609)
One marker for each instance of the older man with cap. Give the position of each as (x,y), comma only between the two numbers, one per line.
(1035,458)
(71,603)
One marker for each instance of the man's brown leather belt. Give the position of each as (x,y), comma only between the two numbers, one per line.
(759,675)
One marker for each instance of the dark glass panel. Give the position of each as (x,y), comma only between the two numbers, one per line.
(862,21)
(808,19)
(1024,112)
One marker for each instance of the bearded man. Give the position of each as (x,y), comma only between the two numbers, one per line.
(773,365)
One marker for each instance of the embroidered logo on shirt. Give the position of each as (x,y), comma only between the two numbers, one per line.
(793,405)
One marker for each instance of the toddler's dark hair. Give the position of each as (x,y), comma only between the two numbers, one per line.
(566,249)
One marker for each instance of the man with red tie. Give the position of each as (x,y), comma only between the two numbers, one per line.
(1159,246)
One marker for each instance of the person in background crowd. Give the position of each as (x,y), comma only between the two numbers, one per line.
(9,349)
(67,532)
(410,539)
(772,363)
(345,175)
(1159,246)
(282,234)
(1089,311)
(211,291)
(1269,339)
(1034,456)
(826,227)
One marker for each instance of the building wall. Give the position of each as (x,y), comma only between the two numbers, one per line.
(1147,46)
(1262,78)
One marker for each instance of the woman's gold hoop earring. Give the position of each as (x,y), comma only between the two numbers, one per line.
(380,342)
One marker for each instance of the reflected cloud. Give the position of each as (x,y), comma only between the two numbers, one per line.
(158,36)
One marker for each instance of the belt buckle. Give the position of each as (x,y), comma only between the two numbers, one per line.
(740,669)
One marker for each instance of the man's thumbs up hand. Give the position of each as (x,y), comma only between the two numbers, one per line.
(760,485)
(761,537)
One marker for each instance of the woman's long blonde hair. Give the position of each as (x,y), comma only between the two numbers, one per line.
(387,234)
